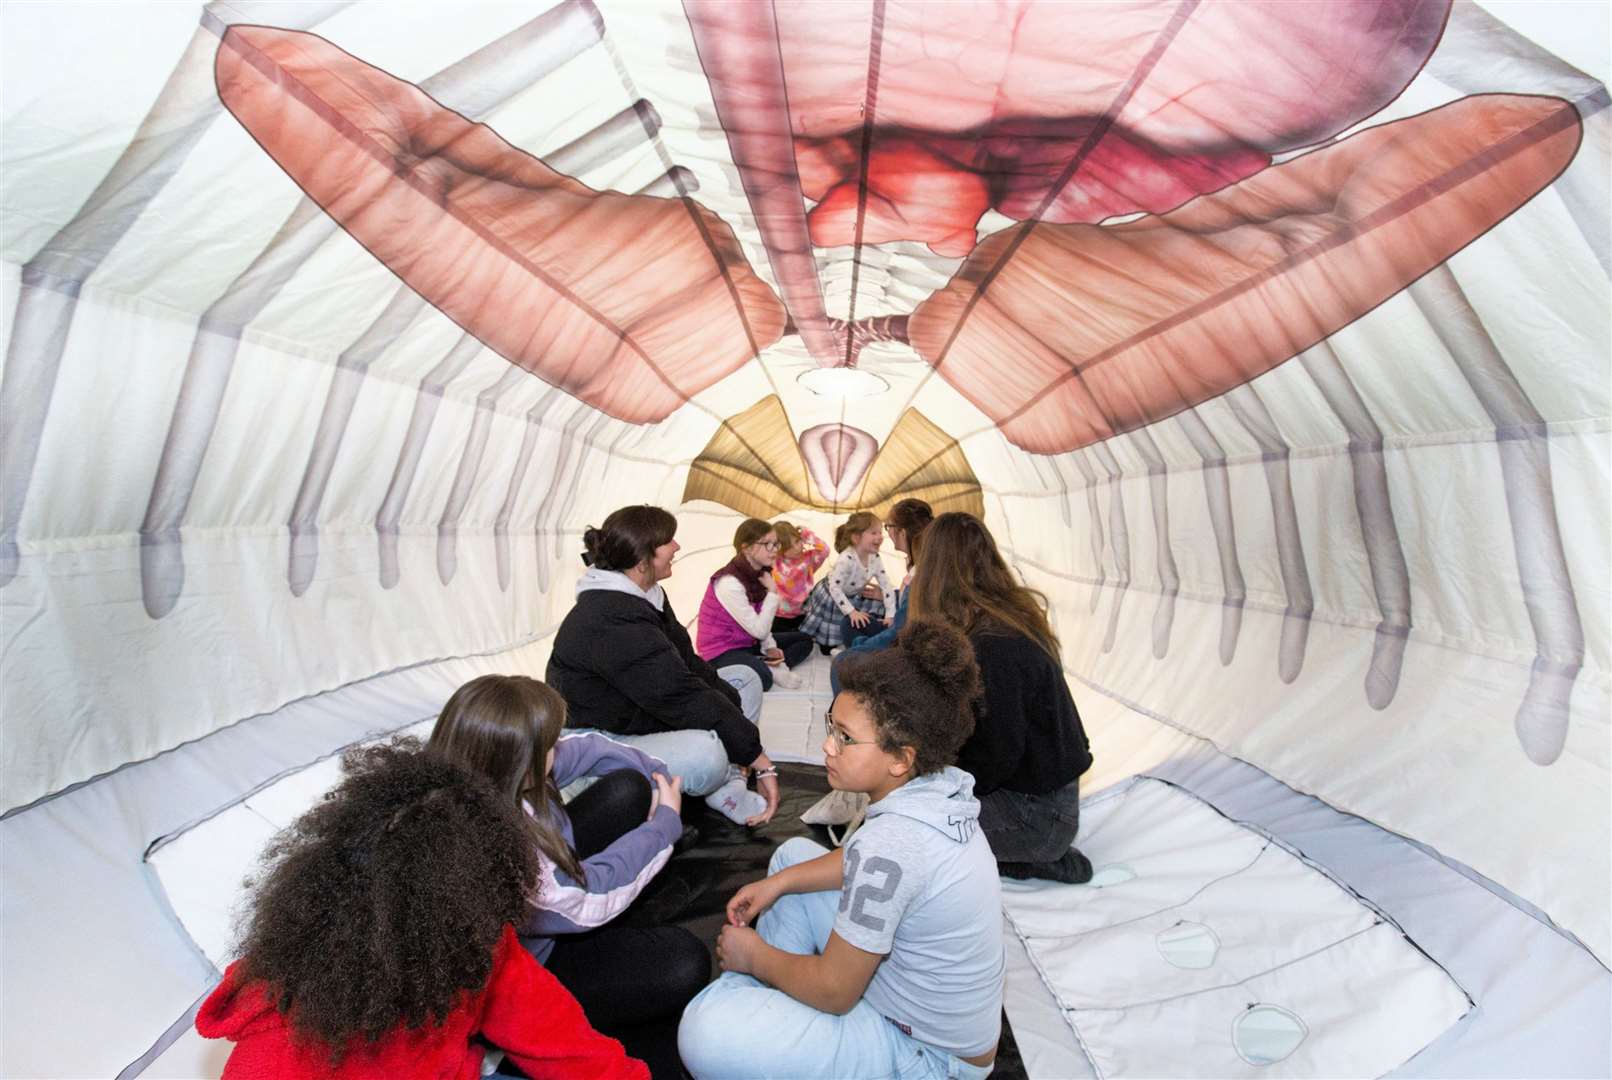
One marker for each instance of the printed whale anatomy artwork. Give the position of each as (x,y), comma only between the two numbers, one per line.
(1271,341)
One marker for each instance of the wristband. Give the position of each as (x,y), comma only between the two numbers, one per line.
(762,774)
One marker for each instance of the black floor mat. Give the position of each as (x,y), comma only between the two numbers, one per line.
(693,890)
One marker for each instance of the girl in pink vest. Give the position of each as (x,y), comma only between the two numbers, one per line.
(735,623)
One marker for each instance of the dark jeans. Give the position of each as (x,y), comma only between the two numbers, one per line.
(613,805)
(632,982)
(795,645)
(1031,828)
(850,635)
(789,624)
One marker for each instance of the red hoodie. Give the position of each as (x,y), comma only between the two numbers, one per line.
(522,1009)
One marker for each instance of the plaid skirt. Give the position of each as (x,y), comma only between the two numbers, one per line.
(824,620)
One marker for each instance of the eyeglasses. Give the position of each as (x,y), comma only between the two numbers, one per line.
(770,545)
(837,738)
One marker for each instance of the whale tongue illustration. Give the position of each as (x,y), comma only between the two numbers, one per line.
(837,457)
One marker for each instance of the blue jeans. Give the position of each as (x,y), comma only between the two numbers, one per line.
(740,1027)
(748,683)
(695,754)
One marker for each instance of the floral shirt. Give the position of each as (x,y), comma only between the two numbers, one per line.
(794,576)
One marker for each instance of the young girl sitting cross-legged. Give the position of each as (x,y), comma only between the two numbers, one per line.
(595,855)
(855,599)
(883,958)
(737,621)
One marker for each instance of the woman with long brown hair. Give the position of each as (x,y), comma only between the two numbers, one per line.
(594,855)
(1028,749)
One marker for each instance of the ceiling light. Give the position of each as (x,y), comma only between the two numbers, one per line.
(842,382)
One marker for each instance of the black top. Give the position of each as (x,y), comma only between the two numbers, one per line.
(626,668)
(1027,734)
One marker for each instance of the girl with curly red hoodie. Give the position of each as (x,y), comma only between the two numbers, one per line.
(381,941)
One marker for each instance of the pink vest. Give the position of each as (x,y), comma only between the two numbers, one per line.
(717,632)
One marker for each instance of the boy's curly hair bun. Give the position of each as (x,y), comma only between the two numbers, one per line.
(921,692)
(943,656)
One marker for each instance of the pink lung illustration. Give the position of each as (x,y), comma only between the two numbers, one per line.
(910,120)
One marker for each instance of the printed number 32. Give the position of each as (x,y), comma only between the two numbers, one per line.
(867,892)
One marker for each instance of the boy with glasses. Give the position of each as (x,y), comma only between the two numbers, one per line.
(884,957)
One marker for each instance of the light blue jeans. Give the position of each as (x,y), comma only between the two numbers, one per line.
(693,753)
(748,683)
(740,1027)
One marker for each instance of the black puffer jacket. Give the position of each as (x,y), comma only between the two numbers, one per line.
(626,668)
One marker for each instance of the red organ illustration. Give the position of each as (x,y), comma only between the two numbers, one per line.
(1062,331)
(630,303)
(935,188)
(1069,112)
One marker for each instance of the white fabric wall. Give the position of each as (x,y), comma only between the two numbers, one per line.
(92,679)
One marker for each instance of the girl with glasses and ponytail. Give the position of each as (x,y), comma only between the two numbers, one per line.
(883,957)
(741,602)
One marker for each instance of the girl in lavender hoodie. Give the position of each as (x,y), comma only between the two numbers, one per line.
(595,856)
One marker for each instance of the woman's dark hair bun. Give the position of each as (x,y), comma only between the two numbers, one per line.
(944,656)
(590,545)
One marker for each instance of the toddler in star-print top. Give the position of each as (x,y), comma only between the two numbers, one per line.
(856,598)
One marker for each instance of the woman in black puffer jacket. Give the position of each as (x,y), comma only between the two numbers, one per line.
(625,665)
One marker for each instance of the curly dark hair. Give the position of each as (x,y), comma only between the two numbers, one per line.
(921,692)
(381,905)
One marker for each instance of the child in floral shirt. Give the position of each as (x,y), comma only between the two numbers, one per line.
(800,554)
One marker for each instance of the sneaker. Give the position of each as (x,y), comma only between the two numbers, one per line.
(836,650)
(735,801)
(787,679)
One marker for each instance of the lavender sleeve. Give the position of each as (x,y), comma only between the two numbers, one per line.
(615,877)
(591,754)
